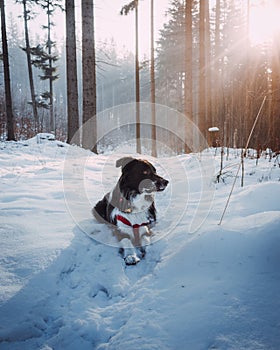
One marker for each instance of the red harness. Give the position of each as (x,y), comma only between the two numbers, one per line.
(128,223)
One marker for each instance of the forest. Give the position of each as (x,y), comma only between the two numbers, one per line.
(215,64)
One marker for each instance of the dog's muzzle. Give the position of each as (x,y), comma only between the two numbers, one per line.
(161,184)
(157,185)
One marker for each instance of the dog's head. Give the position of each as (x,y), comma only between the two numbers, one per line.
(139,176)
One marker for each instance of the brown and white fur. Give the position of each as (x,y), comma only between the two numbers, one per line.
(130,206)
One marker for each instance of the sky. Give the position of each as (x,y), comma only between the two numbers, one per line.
(108,22)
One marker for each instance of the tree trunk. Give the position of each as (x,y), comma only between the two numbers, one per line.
(29,65)
(153,91)
(73,136)
(188,88)
(202,70)
(246,117)
(89,137)
(137,82)
(217,59)
(8,96)
(208,69)
(275,142)
(52,120)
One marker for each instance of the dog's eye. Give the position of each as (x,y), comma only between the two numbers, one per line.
(146,172)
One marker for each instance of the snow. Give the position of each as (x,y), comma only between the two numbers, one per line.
(213,128)
(200,286)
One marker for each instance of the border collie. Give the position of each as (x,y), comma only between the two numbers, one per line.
(130,206)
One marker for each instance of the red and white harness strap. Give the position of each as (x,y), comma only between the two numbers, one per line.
(128,223)
(134,227)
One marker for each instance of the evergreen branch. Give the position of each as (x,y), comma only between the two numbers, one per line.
(129,7)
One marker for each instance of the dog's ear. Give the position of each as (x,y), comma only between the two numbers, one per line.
(123,162)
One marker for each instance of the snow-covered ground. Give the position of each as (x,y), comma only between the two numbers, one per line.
(200,286)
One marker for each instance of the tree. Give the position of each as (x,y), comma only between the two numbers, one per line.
(276,88)
(188,59)
(89,133)
(202,68)
(217,66)
(27,49)
(171,50)
(50,6)
(133,5)
(153,89)
(9,107)
(188,82)
(71,74)
(208,65)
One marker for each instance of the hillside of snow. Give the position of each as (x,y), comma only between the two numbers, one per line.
(201,286)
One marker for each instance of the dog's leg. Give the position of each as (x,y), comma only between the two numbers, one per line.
(128,252)
(141,240)
(126,248)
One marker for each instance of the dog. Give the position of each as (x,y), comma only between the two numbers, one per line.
(130,207)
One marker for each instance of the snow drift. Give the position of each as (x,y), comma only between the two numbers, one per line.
(200,286)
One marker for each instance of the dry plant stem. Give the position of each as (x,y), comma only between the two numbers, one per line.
(242,156)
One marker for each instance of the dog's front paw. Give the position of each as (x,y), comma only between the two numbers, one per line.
(141,252)
(131,260)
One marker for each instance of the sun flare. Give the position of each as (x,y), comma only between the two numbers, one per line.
(264,21)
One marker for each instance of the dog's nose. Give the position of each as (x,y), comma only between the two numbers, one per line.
(161,184)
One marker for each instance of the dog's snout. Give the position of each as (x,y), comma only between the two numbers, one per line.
(161,184)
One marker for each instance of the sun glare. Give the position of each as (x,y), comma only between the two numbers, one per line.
(264,21)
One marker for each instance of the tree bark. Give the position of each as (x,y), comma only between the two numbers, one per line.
(49,44)
(202,70)
(208,69)
(73,136)
(89,133)
(153,89)
(137,82)
(29,66)
(188,83)
(275,120)
(8,96)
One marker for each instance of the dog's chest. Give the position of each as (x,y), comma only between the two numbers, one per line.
(141,203)
(127,222)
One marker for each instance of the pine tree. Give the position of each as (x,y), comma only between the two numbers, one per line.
(46,57)
(171,51)
(202,68)
(9,107)
(188,88)
(89,133)
(275,122)
(27,49)
(153,88)
(71,66)
(133,6)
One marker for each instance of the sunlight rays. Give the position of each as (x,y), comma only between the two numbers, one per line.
(264,21)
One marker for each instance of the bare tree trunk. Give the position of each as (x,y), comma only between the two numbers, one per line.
(72,82)
(89,137)
(275,143)
(202,69)
(188,88)
(9,107)
(49,44)
(133,5)
(217,88)
(246,116)
(29,65)
(153,90)
(208,69)
(137,82)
